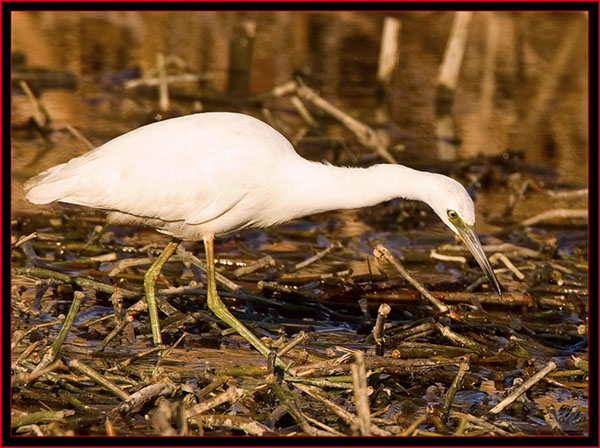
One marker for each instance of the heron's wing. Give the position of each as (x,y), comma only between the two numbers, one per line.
(172,187)
(190,169)
(195,192)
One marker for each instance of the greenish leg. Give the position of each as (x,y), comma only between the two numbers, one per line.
(149,287)
(218,307)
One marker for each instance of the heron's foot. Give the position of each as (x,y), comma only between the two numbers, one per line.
(217,306)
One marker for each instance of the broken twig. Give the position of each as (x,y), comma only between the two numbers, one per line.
(382,253)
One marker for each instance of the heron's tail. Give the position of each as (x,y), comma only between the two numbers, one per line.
(49,186)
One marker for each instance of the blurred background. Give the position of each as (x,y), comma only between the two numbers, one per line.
(521,87)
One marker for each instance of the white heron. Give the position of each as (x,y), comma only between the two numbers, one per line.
(208,174)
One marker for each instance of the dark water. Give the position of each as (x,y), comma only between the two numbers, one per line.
(500,82)
(509,56)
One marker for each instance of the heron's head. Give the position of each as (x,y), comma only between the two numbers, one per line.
(451,202)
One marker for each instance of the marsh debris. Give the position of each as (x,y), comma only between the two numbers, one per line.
(442,367)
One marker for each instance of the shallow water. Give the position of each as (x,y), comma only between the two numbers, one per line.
(335,53)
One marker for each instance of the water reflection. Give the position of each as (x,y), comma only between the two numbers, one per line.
(522,84)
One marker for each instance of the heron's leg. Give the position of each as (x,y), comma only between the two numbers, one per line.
(218,307)
(149,284)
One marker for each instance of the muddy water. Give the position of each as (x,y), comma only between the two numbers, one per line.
(335,53)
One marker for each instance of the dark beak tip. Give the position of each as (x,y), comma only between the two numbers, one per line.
(469,237)
(494,283)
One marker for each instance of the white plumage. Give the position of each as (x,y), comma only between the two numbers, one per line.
(208,174)
(212,173)
(184,176)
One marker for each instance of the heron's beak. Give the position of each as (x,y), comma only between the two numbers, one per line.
(469,237)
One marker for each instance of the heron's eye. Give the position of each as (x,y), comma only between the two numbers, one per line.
(452,214)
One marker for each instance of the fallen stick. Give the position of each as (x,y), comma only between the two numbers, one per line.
(98,379)
(243,371)
(420,329)
(361,399)
(135,401)
(18,335)
(511,267)
(550,418)
(317,256)
(559,213)
(54,350)
(303,111)
(40,114)
(37,417)
(301,337)
(482,423)
(152,82)
(189,257)
(505,248)
(382,253)
(434,418)
(232,394)
(456,384)
(282,394)
(310,369)
(78,280)
(414,425)
(28,351)
(79,136)
(384,310)
(365,135)
(112,256)
(121,265)
(523,388)
(510,299)
(249,426)
(567,194)
(580,363)
(251,267)
(306,278)
(457,259)
(214,384)
(74,402)
(115,331)
(27,378)
(25,239)
(333,367)
(168,352)
(139,355)
(323,426)
(346,416)
(321,383)
(463,341)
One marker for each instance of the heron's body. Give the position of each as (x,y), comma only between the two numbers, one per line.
(214,173)
(208,174)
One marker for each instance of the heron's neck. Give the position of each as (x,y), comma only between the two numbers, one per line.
(322,187)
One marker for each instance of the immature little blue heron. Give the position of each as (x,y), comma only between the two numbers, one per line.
(204,175)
